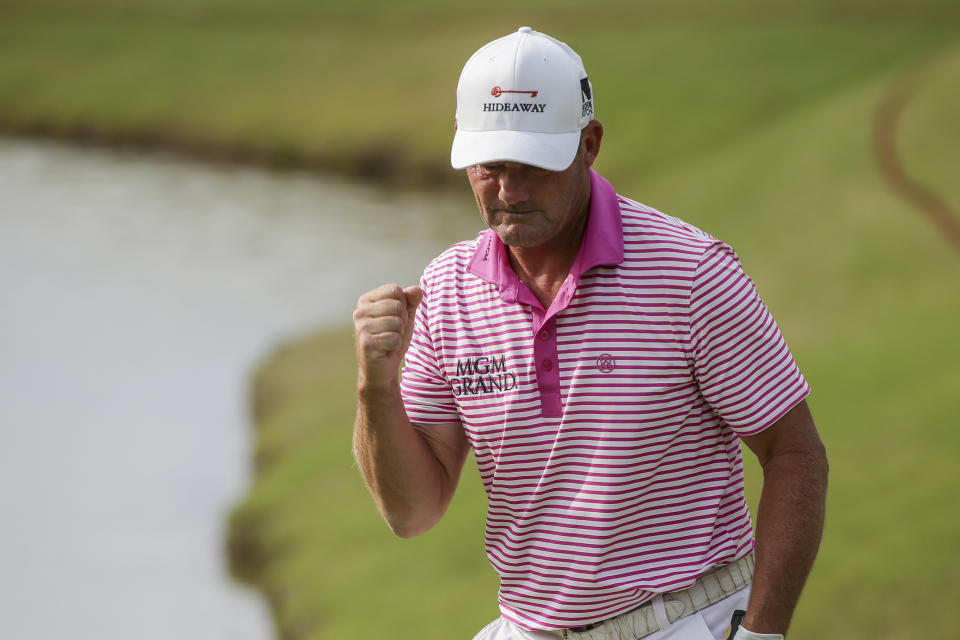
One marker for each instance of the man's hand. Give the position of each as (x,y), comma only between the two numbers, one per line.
(383,327)
(412,470)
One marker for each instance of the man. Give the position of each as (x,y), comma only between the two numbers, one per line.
(603,360)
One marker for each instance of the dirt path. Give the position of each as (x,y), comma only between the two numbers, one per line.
(886,123)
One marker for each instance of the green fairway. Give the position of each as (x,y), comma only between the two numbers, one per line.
(752,120)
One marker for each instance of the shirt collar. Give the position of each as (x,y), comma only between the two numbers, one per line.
(602,243)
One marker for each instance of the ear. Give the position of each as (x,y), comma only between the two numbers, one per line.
(590,138)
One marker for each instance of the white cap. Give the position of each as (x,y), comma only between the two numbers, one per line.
(523,98)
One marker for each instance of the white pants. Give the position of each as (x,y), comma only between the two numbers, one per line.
(710,623)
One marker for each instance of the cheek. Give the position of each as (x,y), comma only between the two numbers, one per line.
(486,196)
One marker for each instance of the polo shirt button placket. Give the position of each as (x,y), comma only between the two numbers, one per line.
(548,374)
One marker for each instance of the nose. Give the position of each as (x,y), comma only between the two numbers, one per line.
(514,185)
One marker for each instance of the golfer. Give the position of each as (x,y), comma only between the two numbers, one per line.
(604,361)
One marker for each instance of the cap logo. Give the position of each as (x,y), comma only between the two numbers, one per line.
(530,107)
(496,92)
(586,97)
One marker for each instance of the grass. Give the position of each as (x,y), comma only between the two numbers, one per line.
(751,120)
(368,89)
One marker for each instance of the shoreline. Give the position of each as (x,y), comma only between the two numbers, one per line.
(382,165)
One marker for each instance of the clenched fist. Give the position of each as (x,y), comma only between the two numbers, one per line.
(383,327)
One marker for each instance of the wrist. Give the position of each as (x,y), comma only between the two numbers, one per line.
(373,389)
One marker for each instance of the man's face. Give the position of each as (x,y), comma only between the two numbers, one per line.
(531,207)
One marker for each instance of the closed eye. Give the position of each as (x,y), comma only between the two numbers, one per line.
(488,170)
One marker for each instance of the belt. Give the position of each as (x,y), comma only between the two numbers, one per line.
(667,608)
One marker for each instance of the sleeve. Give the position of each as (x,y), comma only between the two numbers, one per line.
(427,396)
(741,362)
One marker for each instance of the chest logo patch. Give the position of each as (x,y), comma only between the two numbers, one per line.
(483,375)
(606,363)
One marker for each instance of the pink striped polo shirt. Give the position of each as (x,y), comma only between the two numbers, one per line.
(606,427)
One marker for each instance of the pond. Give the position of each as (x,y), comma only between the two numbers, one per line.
(137,294)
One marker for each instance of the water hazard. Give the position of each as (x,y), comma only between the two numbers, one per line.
(136,295)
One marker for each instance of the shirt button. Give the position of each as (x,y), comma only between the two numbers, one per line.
(547,364)
(544,335)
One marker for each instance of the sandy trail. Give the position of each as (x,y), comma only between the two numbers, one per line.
(886,123)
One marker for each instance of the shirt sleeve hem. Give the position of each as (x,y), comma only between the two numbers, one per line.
(774,417)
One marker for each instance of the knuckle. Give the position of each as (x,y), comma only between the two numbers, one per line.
(391,340)
(389,290)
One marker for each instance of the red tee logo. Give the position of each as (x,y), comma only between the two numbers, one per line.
(496,92)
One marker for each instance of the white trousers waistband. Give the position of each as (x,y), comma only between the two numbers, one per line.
(665,609)
(653,616)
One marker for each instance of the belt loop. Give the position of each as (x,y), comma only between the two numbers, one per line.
(660,613)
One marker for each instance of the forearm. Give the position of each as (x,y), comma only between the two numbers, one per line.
(789,526)
(408,483)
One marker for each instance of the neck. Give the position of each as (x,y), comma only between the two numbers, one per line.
(544,268)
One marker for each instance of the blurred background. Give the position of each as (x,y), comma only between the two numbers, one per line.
(193,193)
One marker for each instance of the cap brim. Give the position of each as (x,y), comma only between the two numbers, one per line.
(553,151)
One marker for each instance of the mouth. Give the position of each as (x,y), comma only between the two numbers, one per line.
(511,212)
(510,218)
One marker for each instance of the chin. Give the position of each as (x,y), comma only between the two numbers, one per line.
(517,238)
(516,232)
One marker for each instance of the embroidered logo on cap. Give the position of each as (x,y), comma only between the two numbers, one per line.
(528,107)
(496,92)
(586,96)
